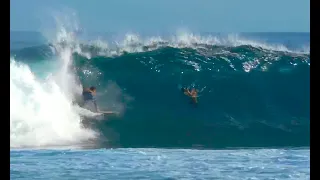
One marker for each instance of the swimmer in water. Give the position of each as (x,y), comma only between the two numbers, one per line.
(193,94)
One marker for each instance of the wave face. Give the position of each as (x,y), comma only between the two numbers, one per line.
(251,94)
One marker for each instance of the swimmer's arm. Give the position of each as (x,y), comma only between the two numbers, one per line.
(188,93)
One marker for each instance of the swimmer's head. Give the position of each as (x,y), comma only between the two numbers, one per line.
(183,89)
(194,90)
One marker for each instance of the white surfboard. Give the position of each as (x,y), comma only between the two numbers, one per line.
(108,112)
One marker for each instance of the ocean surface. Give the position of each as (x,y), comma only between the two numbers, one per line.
(158,163)
(252,120)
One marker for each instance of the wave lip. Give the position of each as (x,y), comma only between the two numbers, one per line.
(134,43)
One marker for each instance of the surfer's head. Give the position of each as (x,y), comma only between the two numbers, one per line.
(183,89)
(93,89)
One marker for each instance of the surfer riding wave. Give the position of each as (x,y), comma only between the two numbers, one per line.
(90,103)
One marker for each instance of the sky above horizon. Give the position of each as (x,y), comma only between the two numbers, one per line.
(164,15)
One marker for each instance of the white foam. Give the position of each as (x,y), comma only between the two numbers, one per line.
(133,43)
(41,111)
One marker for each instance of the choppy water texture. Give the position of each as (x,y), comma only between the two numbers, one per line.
(160,164)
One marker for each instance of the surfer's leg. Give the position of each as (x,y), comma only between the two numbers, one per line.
(89,105)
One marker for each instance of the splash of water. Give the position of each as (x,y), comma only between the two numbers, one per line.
(41,112)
